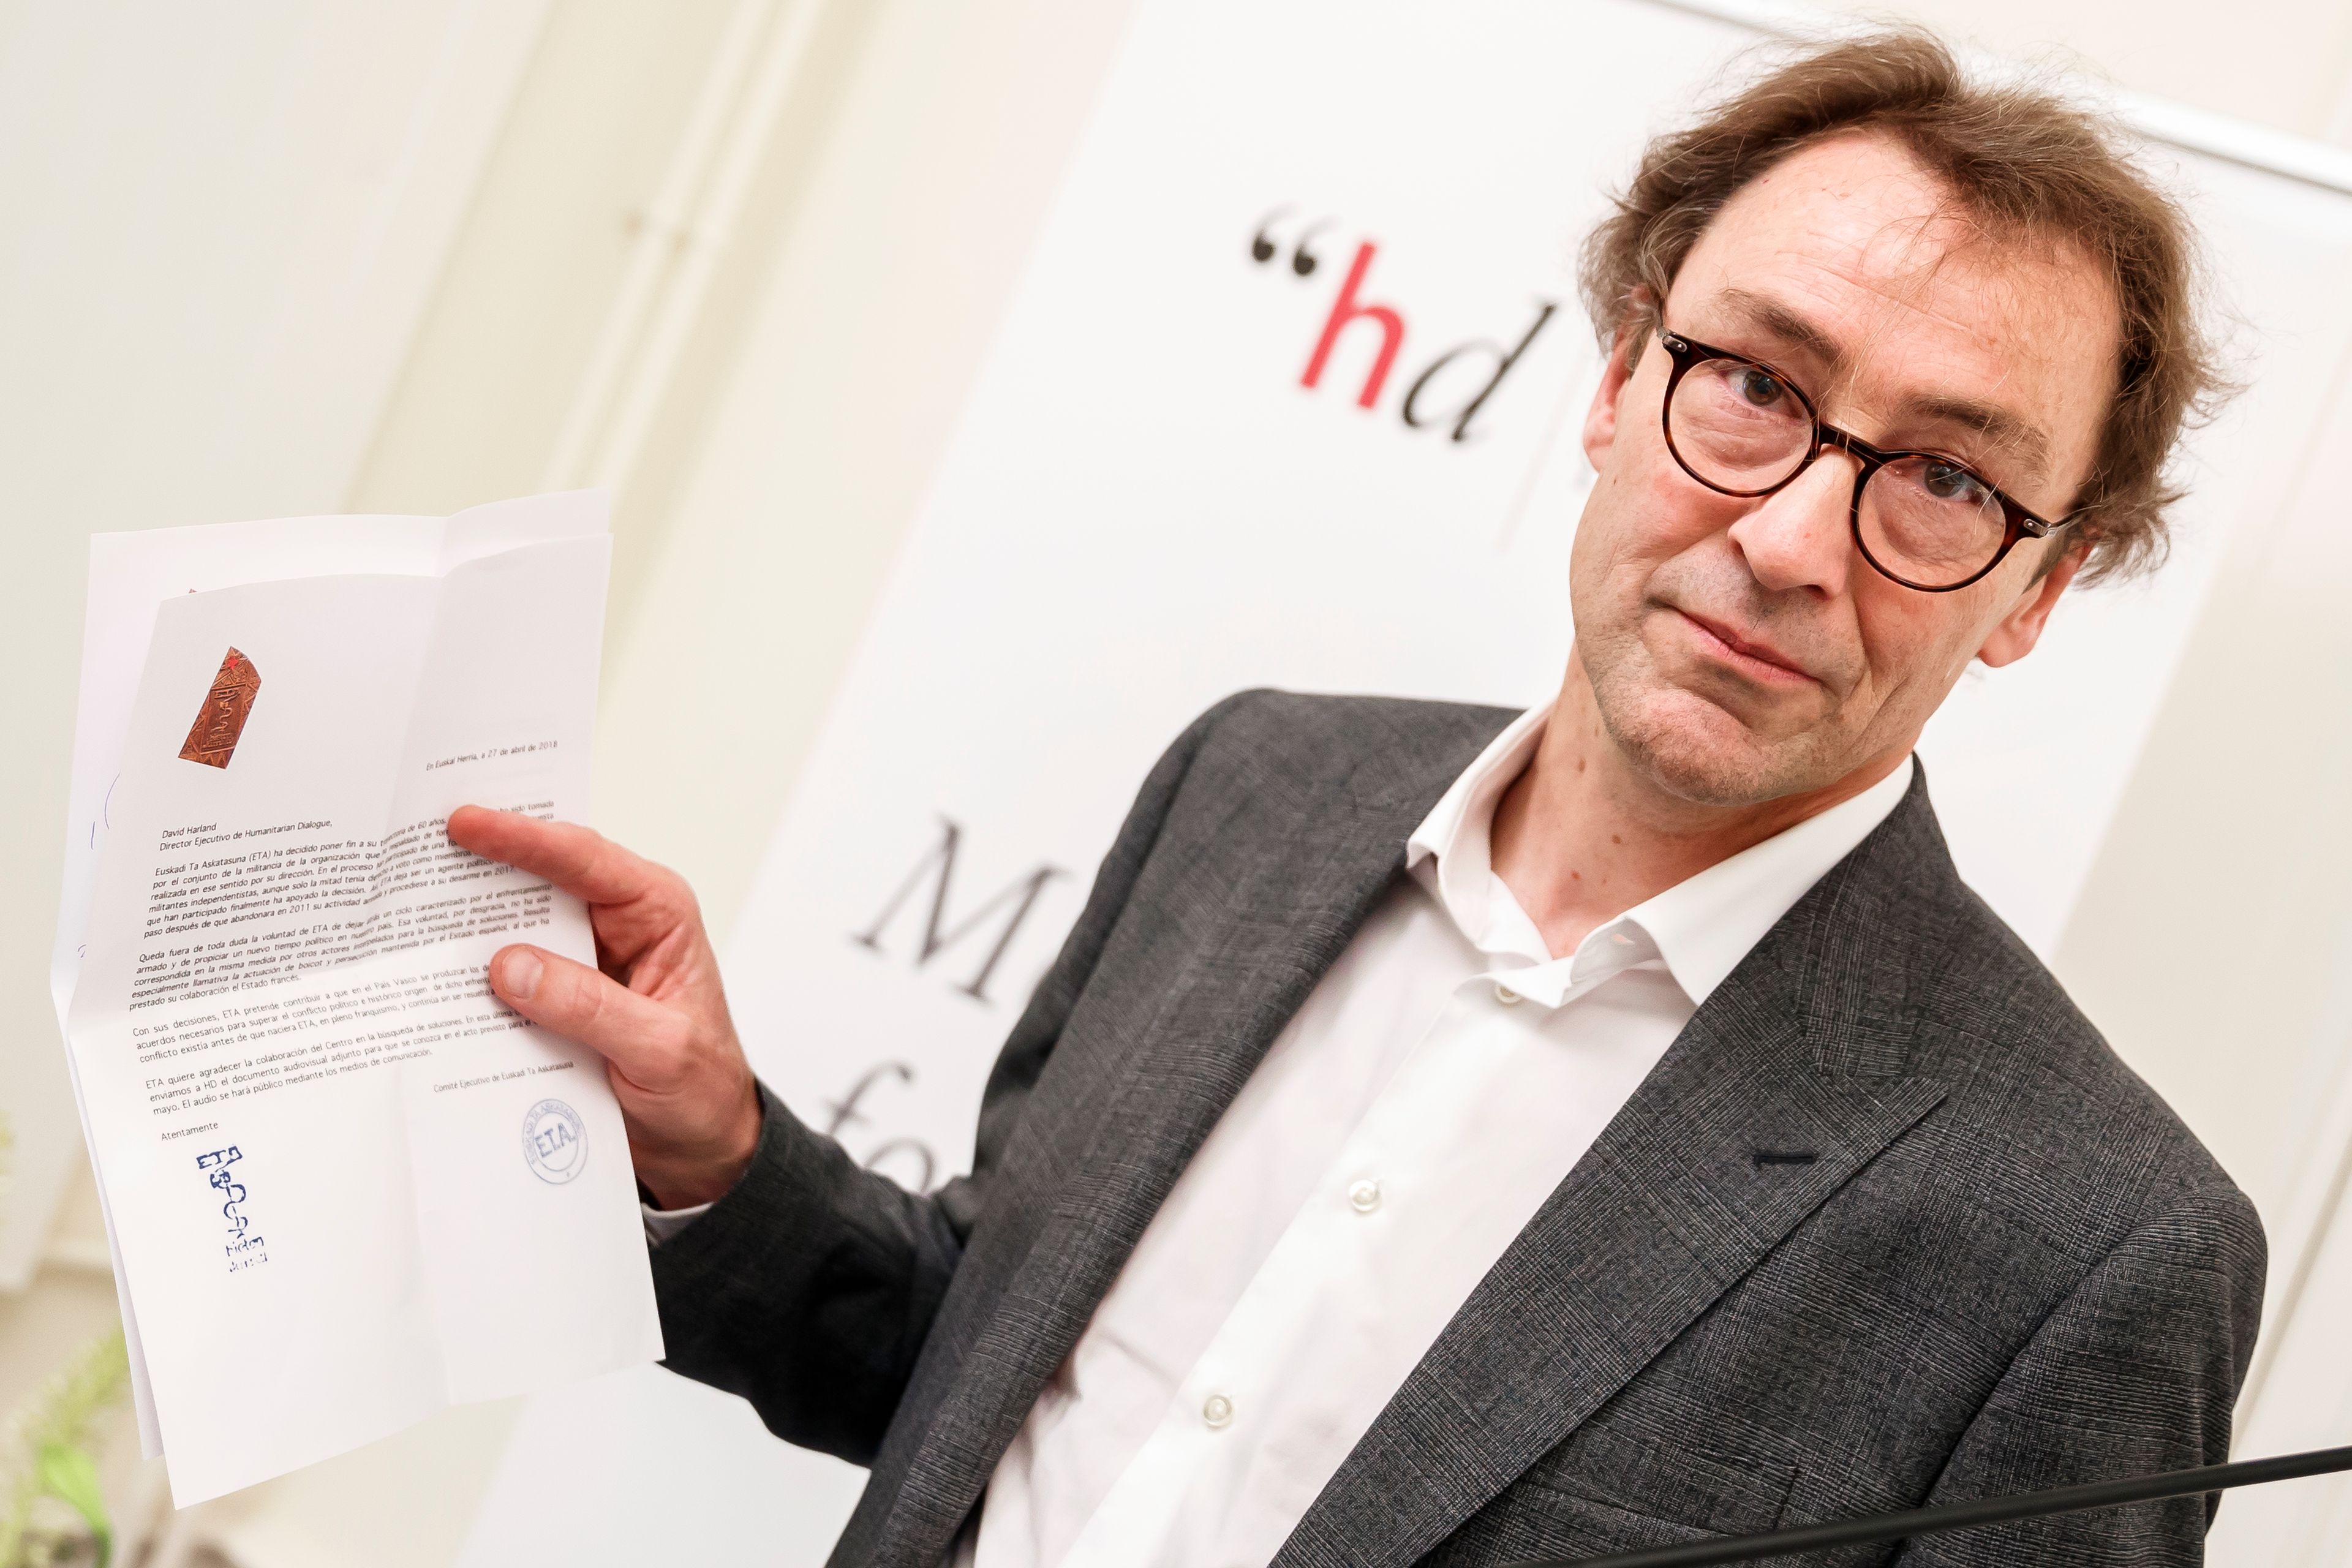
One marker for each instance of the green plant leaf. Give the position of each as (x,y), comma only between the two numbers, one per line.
(72,1475)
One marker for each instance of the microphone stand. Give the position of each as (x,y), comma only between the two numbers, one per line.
(1963,1515)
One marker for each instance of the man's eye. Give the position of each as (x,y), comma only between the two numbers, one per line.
(1761,387)
(1949,481)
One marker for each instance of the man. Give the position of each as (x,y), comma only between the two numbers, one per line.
(1462,1138)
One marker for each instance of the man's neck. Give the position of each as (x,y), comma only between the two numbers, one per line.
(1584,834)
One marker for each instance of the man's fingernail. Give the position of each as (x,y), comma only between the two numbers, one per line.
(518,974)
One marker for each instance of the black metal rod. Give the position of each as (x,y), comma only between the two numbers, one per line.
(1963,1515)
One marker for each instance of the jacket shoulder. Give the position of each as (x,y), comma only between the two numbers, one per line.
(2066,1135)
(1376,747)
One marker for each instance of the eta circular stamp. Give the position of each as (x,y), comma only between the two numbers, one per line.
(554,1141)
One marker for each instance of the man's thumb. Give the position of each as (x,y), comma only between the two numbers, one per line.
(645,1040)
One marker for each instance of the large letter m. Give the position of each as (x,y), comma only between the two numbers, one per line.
(1012,905)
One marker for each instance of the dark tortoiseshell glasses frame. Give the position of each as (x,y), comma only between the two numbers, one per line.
(1688,354)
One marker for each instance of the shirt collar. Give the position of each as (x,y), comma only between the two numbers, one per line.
(1450,851)
(1701,927)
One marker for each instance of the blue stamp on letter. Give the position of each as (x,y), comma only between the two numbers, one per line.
(554,1141)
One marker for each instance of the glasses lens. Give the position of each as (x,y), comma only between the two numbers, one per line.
(1931,523)
(1737,427)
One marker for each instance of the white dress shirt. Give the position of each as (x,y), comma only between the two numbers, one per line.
(1439,1081)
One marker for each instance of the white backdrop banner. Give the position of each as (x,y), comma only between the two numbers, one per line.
(1291,397)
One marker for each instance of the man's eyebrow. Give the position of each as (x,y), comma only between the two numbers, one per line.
(1769,315)
(2019,438)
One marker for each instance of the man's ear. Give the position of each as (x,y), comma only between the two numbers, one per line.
(2015,634)
(1601,420)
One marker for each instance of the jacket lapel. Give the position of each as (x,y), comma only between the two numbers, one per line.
(1153,1095)
(1668,1209)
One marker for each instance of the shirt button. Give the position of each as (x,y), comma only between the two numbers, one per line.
(1217,1411)
(1505,994)
(1364,1196)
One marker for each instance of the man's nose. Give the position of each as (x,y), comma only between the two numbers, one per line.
(1800,536)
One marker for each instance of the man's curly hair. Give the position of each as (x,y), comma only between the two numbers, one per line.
(2017,160)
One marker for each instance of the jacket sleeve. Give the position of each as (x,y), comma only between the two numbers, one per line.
(809,1288)
(2134,1372)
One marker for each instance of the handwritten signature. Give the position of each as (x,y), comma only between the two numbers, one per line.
(243,1247)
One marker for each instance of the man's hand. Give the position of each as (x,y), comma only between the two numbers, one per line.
(656,1014)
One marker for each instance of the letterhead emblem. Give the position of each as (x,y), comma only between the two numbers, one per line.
(212,738)
(554,1141)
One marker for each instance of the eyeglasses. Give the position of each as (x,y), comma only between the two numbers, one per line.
(1741,429)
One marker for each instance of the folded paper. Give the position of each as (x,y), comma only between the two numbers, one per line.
(344,1184)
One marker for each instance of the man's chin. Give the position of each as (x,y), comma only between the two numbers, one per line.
(1698,751)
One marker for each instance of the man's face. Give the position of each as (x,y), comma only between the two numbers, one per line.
(1742,650)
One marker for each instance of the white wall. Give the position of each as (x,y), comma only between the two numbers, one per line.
(222,223)
(222,228)
(2282,63)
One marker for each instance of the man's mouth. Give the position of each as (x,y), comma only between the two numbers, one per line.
(1759,661)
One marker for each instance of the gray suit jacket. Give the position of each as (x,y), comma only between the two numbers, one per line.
(1987,1258)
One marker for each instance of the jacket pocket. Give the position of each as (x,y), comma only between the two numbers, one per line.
(1530,1521)
(1695,1487)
